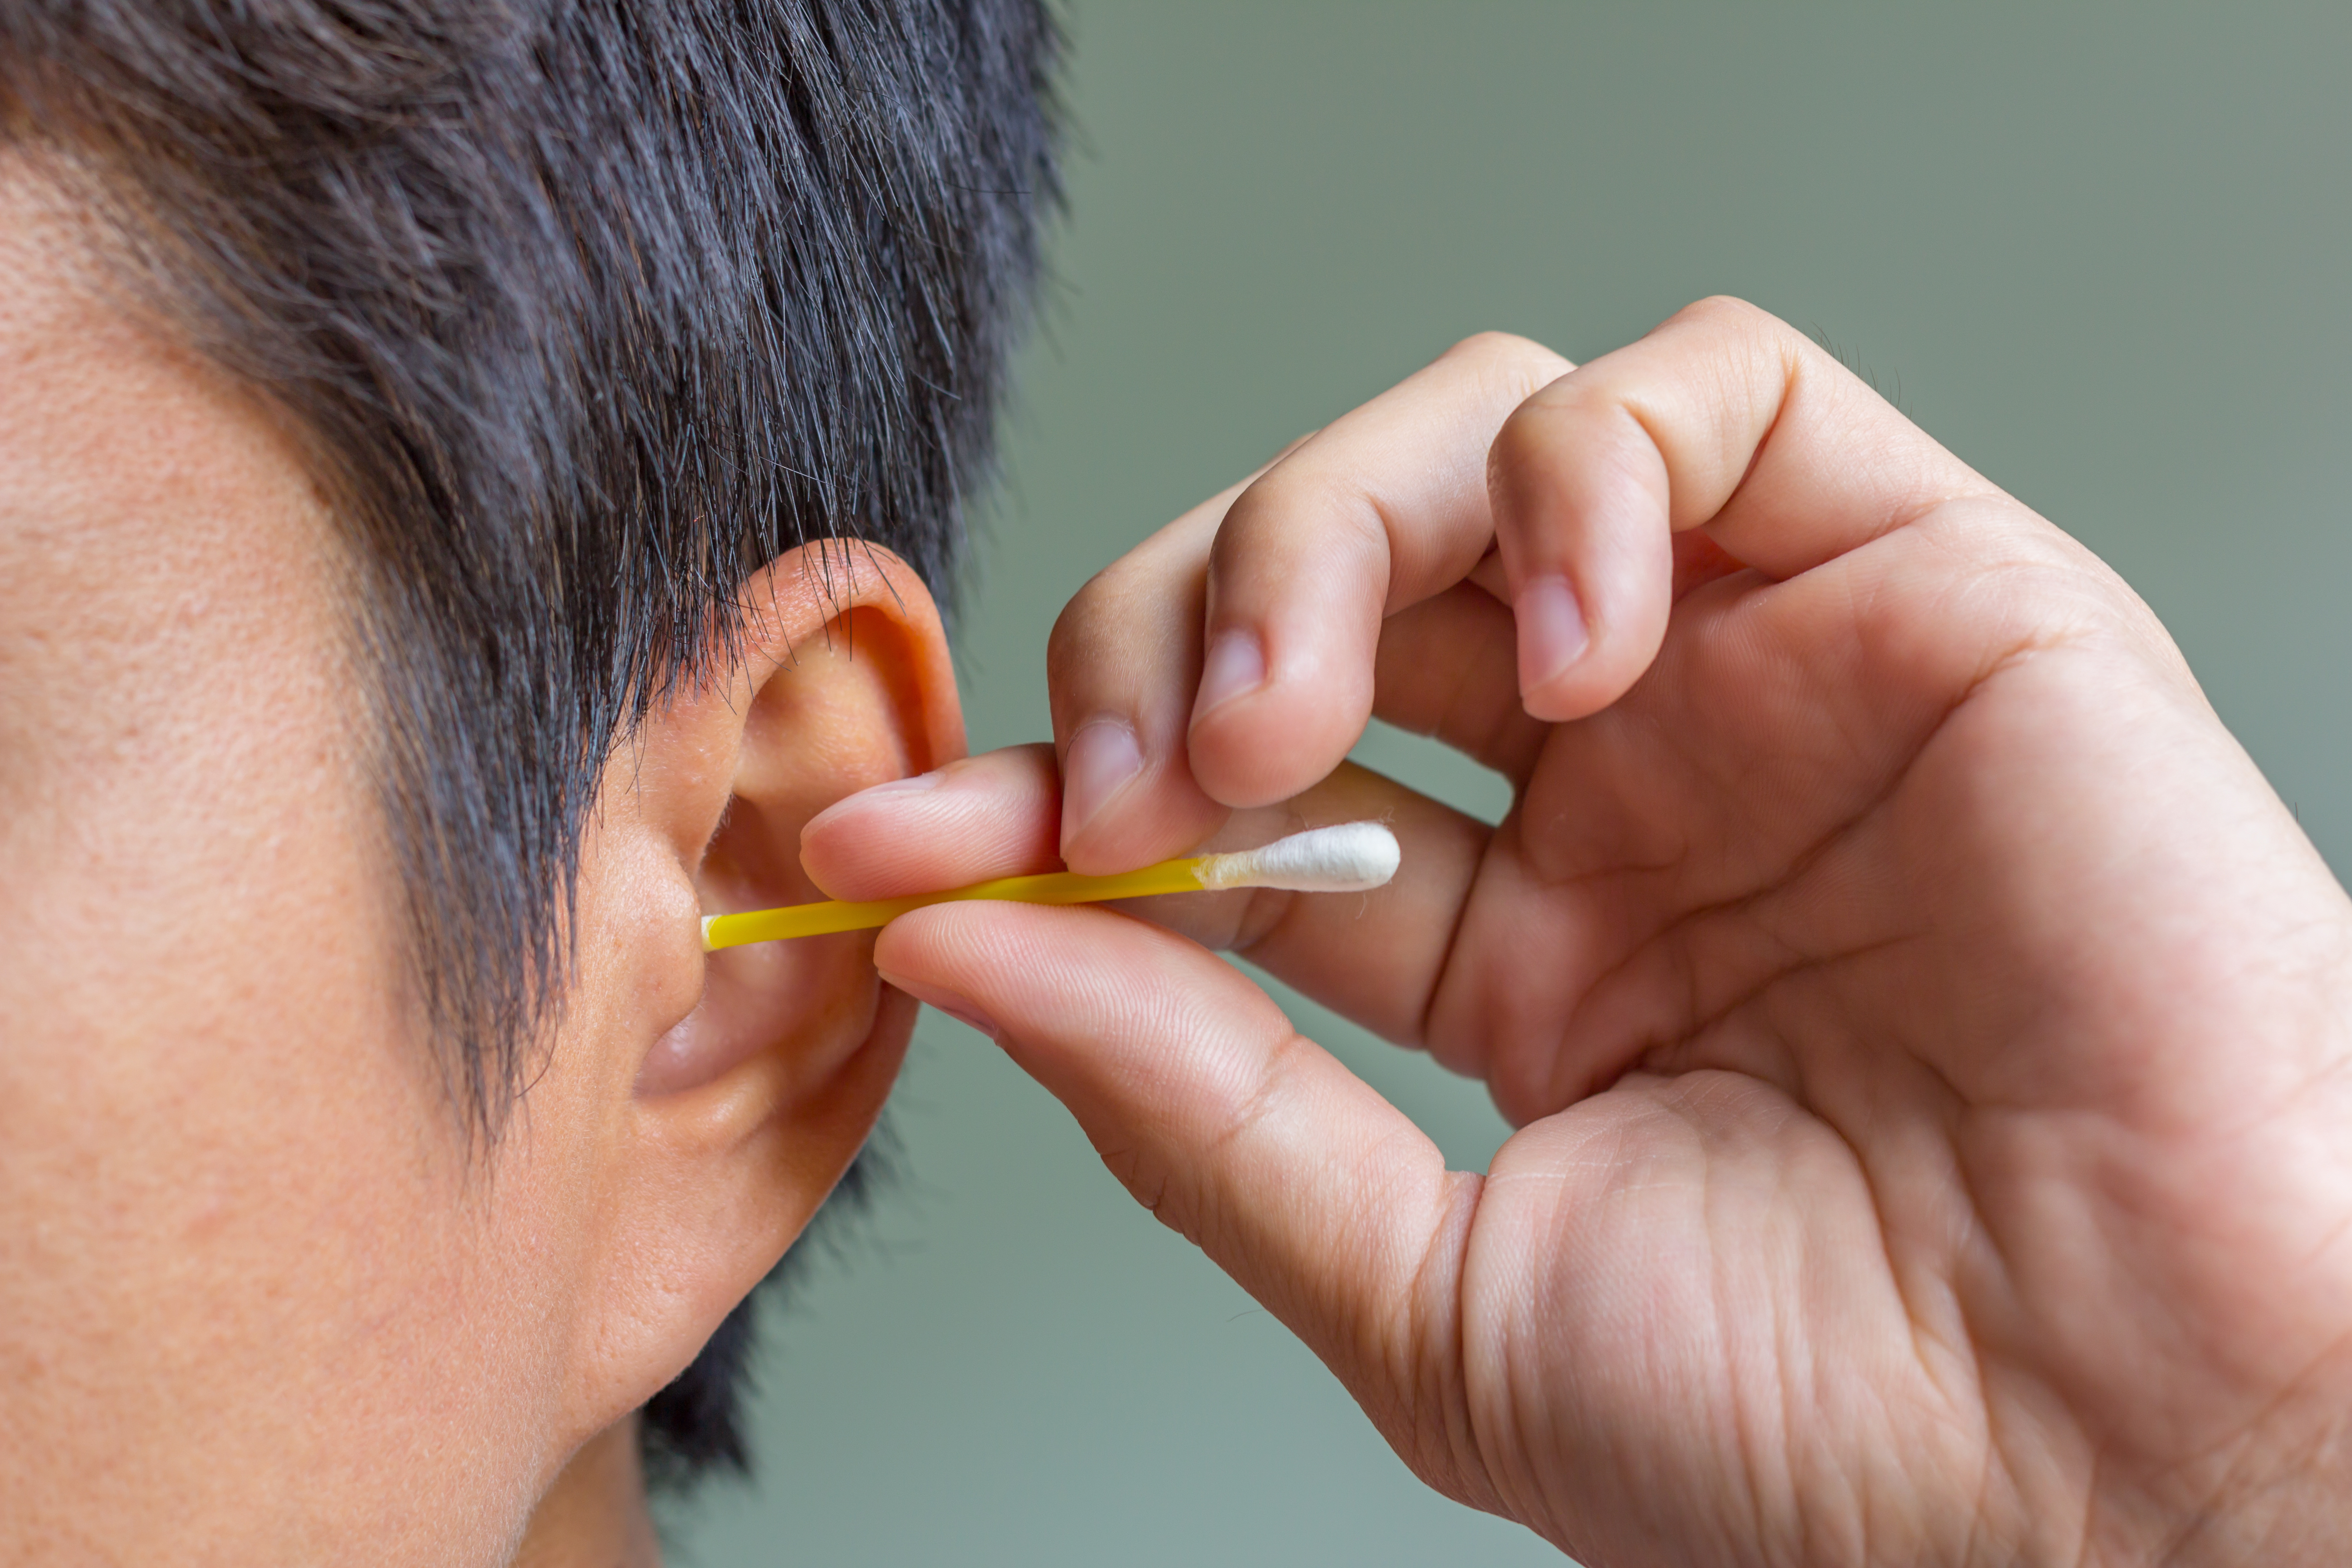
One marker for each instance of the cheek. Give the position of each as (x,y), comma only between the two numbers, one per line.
(237,1241)
(238,1245)
(245,1271)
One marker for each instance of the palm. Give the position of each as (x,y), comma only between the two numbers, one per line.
(1873,1034)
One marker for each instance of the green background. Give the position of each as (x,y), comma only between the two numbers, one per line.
(2101,254)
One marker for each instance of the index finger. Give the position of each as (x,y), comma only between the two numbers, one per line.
(1379,510)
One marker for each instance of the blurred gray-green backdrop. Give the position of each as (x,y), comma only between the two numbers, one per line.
(2101,251)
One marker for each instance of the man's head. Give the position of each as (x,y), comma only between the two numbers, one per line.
(421,430)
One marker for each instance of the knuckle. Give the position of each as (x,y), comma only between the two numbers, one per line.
(1062,642)
(1746,331)
(1507,354)
(1072,646)
(1522,438)
(1490,344)
(1276,1078)
(1344,517)
(1535,429)
(1728,313)
(1105,600)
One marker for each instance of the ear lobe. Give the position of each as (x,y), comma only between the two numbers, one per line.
(745,1113)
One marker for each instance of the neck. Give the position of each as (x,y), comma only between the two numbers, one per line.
(595,1515)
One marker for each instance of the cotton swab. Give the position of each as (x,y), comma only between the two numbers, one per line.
(1352,858)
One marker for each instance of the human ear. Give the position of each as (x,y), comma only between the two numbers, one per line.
(741,1084)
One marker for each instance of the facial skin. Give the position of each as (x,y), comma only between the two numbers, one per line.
(259,1299)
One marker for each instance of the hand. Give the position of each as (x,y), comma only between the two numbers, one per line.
(1927,1031)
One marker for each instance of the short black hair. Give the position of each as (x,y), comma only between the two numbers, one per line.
(586,310)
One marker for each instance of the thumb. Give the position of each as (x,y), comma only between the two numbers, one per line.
(1321,1199)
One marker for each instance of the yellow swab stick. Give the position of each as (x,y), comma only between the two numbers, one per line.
(1353,857)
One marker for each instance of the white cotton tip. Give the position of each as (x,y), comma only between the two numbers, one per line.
(1353,857)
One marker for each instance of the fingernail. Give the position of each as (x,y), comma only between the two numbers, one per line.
(913,784)
(1552,634)
(961,1008)
(1102,757)
(1236,664)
